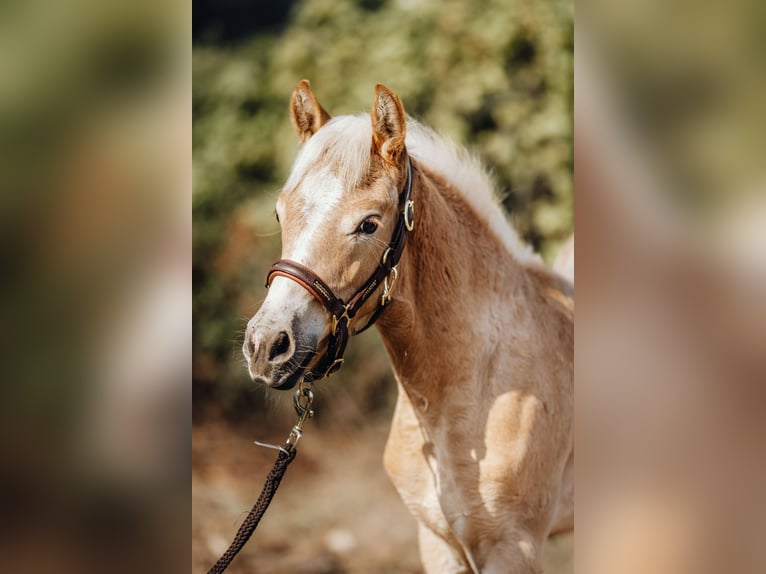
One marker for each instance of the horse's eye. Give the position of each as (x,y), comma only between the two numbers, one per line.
(367,227)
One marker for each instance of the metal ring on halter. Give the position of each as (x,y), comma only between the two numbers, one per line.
(303,408)
(333,368)
(409,215)
(386,253)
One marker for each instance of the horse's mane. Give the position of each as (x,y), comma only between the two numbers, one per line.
(466,174)
(345,142)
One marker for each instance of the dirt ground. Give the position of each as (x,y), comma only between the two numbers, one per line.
(335,512)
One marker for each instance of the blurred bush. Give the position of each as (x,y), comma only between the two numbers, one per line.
(671,341)
(94,257)
(695,100)
(491,74)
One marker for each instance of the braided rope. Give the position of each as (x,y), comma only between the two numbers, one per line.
(256,513)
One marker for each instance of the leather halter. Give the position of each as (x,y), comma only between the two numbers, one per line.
(341,313)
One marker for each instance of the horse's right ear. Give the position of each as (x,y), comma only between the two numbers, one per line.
(306,112)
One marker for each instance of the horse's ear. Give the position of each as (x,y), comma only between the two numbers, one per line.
(306,112)
(389,124)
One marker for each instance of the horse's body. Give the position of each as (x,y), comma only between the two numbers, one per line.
(479,332)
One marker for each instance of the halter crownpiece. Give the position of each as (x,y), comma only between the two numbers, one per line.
(341,313)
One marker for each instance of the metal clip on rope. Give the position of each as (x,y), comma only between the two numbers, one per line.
(302,401)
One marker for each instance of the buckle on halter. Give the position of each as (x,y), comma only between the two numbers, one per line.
(336,320)
(409,215)
(333,368)
(388,288)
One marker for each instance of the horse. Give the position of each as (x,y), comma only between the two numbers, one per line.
(480,333)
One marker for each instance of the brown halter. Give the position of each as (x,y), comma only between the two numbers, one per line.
(341,313)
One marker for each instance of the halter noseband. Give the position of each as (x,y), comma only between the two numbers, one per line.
(341,313)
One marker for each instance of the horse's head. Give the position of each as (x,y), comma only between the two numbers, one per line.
(338,210)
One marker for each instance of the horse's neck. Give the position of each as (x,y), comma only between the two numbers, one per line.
(455,281)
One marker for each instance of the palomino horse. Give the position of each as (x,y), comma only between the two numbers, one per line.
(479,332)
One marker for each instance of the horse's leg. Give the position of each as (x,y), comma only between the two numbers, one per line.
(564,520)
(405,462)
(517,553)
(437,556)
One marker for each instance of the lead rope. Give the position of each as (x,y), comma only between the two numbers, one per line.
(302,401)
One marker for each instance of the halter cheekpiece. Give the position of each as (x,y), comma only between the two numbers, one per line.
(341,313)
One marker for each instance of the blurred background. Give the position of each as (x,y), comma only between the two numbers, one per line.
(95,254)
(495,76)
(95,291)
(671,281)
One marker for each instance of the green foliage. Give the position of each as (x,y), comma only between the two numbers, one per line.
(491,74)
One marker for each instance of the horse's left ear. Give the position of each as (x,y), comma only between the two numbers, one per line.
(389,124)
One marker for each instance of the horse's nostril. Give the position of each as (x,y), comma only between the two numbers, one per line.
(251,347)
(280,346)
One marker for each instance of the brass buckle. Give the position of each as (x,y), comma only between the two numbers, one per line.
(336,320)
(333,368)
(409,215)
(388,288)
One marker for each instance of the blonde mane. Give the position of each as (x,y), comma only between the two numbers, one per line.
(466,174)
(344,144)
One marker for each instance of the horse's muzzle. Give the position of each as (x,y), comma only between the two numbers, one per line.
(276,360)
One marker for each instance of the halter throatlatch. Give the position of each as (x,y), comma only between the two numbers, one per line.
(342,313)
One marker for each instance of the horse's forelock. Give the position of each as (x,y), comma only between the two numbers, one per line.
(342,146)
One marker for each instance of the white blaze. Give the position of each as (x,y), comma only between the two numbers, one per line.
(321,193)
